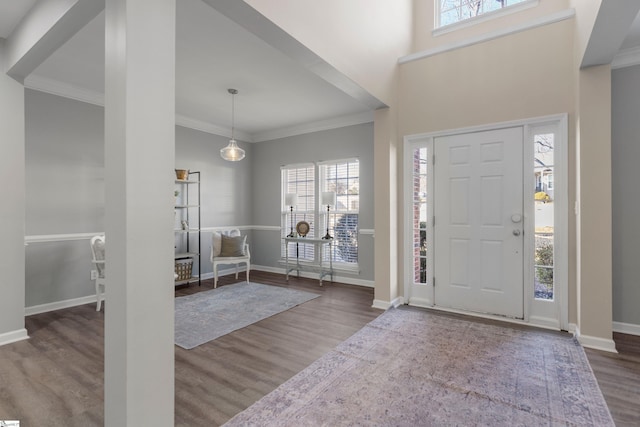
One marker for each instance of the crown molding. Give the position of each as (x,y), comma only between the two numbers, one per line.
(212,128)
(334,123)
(65,90)
(545,20)
(626,58)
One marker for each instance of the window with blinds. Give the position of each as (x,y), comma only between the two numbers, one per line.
(299,180)
(308,182)
(343,178)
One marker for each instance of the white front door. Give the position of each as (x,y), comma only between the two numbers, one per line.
(478,230)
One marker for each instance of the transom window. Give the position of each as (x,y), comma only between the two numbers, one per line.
(452,11)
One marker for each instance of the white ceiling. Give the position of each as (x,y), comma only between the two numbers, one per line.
(213,53)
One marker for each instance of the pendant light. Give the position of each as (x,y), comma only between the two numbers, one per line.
(232,152)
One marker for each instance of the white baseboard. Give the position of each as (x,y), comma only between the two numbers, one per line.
(13,336)
(544,322)
(420,302)
(58,305)
(597,343)
(91,299)
(385,305)
(626,328)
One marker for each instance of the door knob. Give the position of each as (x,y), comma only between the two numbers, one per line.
(516,232)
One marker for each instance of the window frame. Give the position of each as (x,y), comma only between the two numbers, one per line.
(439,29)
(322,180)
(318,217)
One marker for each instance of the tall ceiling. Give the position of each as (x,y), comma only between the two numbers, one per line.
(213,54)
(277,94)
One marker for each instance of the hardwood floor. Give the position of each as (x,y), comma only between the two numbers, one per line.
(56,377)
(618,376)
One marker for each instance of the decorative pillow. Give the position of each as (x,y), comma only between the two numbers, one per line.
(232,246)
(217,239)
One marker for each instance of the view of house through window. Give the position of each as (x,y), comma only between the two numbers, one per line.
(420,164)
(452,11)
(308,182)
(544,223)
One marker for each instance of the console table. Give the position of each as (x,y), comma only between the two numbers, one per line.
(324,268)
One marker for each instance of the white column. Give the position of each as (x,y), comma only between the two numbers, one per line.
(12,206)
(139,170)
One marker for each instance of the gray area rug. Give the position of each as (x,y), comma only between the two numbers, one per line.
(414,368)
(207,315)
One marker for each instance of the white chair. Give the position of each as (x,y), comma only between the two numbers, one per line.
(229,247)
(97,254)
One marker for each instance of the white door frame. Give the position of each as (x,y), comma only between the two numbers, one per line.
(536,312)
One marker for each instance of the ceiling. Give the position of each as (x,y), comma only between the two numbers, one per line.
(213,54)
(276,94)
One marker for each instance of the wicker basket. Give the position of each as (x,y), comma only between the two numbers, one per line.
(183,269)
(182,174)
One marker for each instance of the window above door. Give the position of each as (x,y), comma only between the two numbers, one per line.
(454,14)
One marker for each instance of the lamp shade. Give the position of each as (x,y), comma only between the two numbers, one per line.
(290,199)
(329,198)
(232,152)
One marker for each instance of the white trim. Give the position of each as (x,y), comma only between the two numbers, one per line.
(420,302)
(470,22)
(490,317)
(626,328)
(545,20)
(385,305)
(597,343)
(491,126)
(13,336)
(545,322)
(266,227)
(626,58)
(422,295)
(297,166)
(58,305)
(560,121)
(335,162)
(211,128)
(65,90)
(333,123)
(46,238)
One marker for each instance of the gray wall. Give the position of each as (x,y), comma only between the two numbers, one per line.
(625,158)
(268,157)
(12,171)
(65,191)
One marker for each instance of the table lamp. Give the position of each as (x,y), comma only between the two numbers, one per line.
(329,199)
(291,199)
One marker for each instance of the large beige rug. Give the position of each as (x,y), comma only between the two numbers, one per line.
(411,367)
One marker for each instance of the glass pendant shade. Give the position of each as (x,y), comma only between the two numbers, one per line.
(232,152)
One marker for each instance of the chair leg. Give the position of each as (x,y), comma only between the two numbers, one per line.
(215,276)
(237,271)
(248,268)
(98,297)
